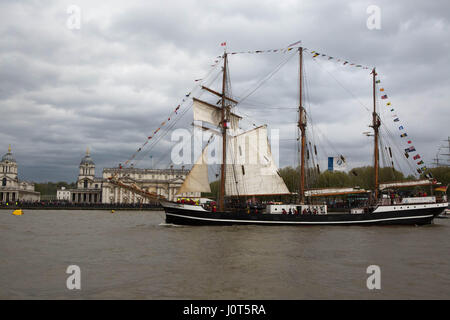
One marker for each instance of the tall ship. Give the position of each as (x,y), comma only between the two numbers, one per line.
(248,172)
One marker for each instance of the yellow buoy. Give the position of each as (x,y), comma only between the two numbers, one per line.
(112,211)
(18,212)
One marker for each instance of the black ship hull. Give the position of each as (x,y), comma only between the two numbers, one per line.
(190,215)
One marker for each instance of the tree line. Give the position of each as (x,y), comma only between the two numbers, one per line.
(362,177)
(49,188)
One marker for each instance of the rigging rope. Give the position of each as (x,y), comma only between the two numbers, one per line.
(172,114)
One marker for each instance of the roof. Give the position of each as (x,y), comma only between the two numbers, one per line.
(87,159)
(8,156)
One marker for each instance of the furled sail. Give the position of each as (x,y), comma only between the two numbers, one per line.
(204,111)
(251,169)
(197,178)
(332,192)
(405,184)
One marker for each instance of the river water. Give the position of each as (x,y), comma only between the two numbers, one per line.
(134,255)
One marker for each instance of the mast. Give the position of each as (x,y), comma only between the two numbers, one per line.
(302,126)
(375,126)
(224,137)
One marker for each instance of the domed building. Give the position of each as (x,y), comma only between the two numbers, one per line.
(11,189)
(89,188)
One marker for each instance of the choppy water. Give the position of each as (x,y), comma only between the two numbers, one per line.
(132,255)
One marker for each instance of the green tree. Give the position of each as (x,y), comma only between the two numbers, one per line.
(214,190)
(362,177)
(441,174)
(49,188)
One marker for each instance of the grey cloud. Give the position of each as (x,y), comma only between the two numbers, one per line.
(111,83)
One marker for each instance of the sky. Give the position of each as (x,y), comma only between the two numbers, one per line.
(110,83)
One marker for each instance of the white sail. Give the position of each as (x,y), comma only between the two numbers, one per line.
(404,184)
(197,178)
(250,168)
(204,111)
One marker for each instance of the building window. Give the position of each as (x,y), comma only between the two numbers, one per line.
(85,184)
(96,186)
(4,182)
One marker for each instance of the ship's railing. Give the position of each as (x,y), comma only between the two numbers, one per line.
(412,200)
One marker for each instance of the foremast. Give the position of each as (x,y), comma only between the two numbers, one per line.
(224,136)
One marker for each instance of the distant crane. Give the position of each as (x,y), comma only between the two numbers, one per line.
(438,162)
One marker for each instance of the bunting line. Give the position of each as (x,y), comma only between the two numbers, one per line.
(169,118)
(291,47)
(314,54)
(409,148)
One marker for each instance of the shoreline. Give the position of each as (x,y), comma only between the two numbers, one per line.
(81,208)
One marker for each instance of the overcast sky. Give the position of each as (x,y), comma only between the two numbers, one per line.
(109,84)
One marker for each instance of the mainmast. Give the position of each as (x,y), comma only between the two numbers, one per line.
(302,126)
(375,126)
(224,137)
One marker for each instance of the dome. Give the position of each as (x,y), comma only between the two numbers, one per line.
(8,156)
(87,159)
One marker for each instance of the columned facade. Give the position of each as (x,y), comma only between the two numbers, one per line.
(163,182)
(89,188)
(11,189)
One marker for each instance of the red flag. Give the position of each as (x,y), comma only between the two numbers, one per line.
(223,44)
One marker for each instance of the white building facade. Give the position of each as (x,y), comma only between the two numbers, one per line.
(163,182)
(91,189)
(11,189)
(63,194)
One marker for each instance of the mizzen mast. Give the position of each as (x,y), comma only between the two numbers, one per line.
(375,125)
(302,126)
